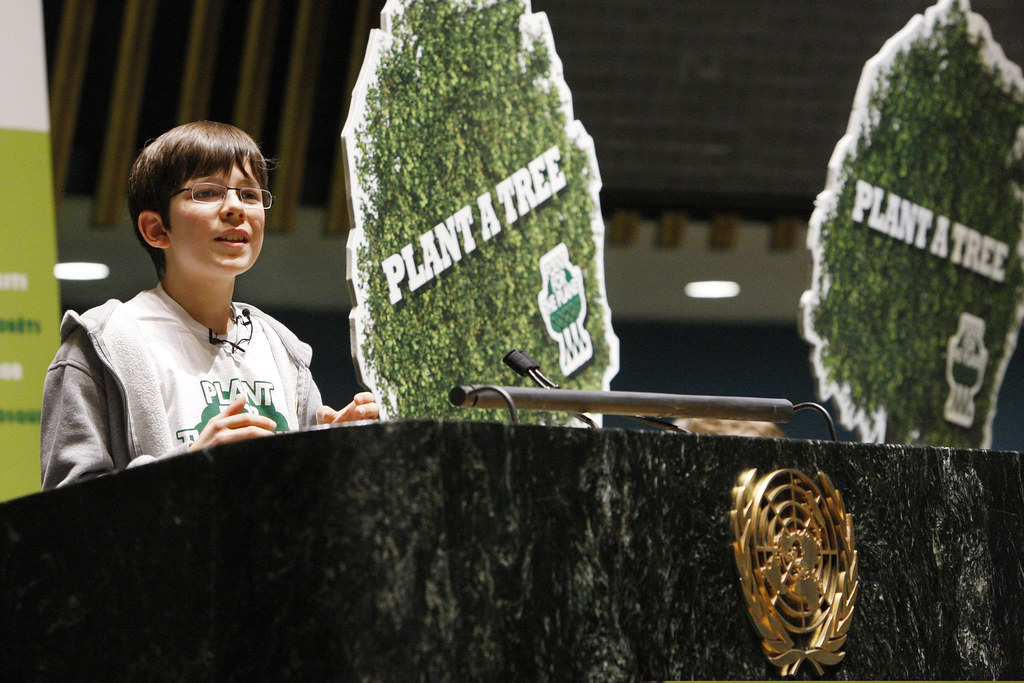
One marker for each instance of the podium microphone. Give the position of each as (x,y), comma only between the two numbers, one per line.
(642,406)
(525,366)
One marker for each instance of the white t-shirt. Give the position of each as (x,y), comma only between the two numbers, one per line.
(199,378)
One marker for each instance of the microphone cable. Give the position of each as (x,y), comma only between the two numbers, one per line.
(821,410)
(238,346)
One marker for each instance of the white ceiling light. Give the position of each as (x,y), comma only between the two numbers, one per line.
(80,271)
(712,289)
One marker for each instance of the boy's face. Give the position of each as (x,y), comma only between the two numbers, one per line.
(210,242)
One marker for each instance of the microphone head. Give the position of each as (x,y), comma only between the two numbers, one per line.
(520,362)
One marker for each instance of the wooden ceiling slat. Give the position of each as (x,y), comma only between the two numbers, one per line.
(257,59)
(724,228)
(670,232)
(624,225)
(339,219)
(785,233)
(125,105)
(66,84)
(200,60)
(297,113)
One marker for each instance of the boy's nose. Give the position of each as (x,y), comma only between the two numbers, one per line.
(233,203)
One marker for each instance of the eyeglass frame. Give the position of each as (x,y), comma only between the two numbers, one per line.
(238,191)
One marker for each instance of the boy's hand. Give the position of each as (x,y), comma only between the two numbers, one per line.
(363,407)
(233,424)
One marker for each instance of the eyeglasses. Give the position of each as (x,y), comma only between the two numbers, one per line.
(212,193)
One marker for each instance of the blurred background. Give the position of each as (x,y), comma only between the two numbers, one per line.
(713,125)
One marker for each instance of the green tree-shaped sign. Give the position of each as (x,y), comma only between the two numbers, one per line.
(916,296)
(474,198)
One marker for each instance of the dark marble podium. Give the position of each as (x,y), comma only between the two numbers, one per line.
(470,551)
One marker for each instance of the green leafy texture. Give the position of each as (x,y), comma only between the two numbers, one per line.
(458,106)
(943,126)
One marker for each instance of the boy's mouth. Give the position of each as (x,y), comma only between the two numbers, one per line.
(233,238)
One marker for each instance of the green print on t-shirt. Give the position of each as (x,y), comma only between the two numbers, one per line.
(259,400)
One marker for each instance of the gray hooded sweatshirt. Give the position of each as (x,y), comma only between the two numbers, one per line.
(102,407)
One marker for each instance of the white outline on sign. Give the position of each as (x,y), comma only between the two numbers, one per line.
(852,416)
(533,26)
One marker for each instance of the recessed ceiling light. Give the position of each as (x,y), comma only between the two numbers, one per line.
(80,271)
(712,289)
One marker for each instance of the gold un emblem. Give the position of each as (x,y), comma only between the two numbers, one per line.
(798,566)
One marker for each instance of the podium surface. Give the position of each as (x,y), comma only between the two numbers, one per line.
(467,550)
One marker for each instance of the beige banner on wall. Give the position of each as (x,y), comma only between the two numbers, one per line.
(29,297)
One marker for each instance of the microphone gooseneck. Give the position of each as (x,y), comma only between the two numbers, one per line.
(644,406)
(525,366)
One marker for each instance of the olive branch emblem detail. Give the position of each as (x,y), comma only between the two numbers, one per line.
(797,565)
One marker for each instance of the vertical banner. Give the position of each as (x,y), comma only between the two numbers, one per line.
(918,288)
(29,298)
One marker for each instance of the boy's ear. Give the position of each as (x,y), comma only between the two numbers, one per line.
(153,230)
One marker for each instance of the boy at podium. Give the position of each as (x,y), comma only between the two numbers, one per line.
(181,366)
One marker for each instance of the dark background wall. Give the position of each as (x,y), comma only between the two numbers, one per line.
(732,105)
(694,106)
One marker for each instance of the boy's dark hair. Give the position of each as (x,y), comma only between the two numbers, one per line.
(190,150)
